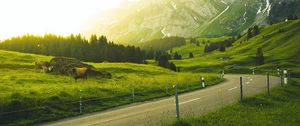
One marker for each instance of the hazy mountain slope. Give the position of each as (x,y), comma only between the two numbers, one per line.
(160,18)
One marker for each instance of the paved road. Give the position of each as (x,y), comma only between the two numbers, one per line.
(159,111)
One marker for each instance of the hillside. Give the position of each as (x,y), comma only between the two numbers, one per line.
(197,51)
(29,96)
(280,50)
(206,18)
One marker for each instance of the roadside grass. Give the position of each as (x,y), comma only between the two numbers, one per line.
(29,96)
(282,108)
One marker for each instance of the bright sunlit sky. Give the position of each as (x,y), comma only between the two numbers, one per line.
(18,17)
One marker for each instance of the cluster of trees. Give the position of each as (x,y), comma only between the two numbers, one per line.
(281,30)
(292,17)
(219,45)
(159,54)
(176,56)
(253,32)
(163,60)
(194,41)
(151,54)
(97,49)
(163,44)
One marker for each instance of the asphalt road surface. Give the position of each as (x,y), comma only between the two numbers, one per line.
(157,112)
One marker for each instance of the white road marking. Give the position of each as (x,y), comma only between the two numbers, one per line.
(232,88)
(189,101)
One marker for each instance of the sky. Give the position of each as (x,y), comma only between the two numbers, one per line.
(63,17)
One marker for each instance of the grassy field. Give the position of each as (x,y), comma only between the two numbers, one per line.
(197,51)
(279,51)
(282,108)
(28,96)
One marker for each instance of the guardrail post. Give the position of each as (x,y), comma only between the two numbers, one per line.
(133,94)
(281,79)
(203,82)
(268,83)
(278,72)
(223,74)
(167,92)
(176,101)
(80,102)
(285,73)
(289,75)
(253,71)
(241,88)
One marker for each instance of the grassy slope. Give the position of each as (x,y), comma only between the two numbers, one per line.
(197,51)
(279,49)
(54,96)
(281,108)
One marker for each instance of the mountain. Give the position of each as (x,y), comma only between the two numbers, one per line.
(147,20)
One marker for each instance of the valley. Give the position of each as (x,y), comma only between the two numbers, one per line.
(122,62)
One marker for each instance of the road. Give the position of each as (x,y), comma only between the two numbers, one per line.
(162,110)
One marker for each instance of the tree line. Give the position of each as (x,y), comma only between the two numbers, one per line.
(162,58)
(163,44)
(96,49)
(221,46)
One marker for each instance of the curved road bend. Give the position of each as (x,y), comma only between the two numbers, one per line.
(159,111)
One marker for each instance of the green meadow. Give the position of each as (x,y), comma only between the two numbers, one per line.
(280,51)
(29,96)
(197,51)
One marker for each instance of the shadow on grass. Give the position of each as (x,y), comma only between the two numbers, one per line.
(181,122)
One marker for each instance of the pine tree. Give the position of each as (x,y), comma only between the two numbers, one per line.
(206,49)
(256,30)
(176,56)
(157,55)
(150,54)
(260,56)
(173,66)
(191,55)
(163,61)
(193,40)
(249,33)
(178,69)
(222,47)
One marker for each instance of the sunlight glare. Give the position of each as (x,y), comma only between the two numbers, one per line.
(19,17)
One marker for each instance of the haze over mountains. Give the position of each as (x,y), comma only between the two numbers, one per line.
(142,20)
